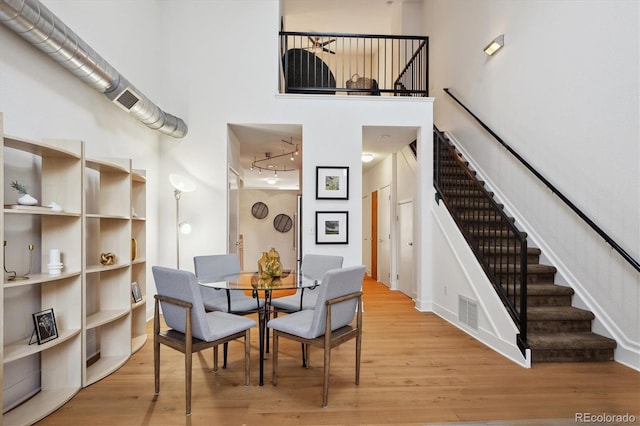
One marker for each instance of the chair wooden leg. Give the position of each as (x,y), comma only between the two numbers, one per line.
(247,349)
(156,364)
(225,349)
(306,352)
(325,383)
(274,359)
(215,359)
(187,373)
(358,351)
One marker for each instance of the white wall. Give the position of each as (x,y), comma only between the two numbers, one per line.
(564,93)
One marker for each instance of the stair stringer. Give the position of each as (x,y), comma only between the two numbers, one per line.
(458,272)
(627,351)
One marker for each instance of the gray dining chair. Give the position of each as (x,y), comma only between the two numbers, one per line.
(313,266)
(221,267)
(191,329)
(329,324)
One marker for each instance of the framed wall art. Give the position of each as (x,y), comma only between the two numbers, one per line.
(45,326)
(332,227)
(332,183)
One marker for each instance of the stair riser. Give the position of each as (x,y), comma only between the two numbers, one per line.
(552,326)
(571,355)
(535,301)
(532,278)
(496,258)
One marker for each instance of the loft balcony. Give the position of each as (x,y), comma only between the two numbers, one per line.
(354,64)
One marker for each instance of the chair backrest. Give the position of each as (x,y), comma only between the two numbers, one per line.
(336,283)
(316,265)
(181,285)
(216,267)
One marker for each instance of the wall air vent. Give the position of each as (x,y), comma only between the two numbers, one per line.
(127,99)
(468,312)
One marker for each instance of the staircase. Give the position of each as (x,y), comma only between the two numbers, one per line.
(556,331)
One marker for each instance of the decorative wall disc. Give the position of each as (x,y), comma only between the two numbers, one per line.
(282,223)
(260,210)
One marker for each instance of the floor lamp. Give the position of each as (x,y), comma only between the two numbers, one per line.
(180,184)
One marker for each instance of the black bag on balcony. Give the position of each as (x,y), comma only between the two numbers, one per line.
(357,82)
(305,71)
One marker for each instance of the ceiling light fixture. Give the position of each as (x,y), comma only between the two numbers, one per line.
(267,163)
(495,45)
(367,158)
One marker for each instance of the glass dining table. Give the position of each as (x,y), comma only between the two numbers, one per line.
(262,288)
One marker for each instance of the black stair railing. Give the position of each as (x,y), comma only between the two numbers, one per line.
(499,246)
(625,255)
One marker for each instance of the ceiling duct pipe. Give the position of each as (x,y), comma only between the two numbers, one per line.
(40,27)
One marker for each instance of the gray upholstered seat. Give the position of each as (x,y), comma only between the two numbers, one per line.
(329,323)
(191,329)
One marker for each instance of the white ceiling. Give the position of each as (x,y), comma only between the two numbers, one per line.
(348,16)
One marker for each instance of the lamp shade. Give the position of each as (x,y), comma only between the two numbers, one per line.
(181,183)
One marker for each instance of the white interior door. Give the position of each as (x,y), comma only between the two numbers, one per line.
(384,235)
(406,280)
(366,233)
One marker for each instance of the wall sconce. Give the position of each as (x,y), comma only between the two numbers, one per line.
(495,45)
(180,184)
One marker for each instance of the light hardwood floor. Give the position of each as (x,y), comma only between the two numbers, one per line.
(416,369)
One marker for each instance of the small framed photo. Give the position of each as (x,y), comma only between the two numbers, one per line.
(332,183)
(332,227)
(135,292)
(45,324)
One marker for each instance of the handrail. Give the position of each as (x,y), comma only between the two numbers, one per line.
(633,262)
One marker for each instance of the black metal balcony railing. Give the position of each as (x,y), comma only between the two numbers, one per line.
(354,64)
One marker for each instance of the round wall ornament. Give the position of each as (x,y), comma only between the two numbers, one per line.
(259,210)
(282,223)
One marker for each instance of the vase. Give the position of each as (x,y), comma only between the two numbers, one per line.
(27,200)
(275,266)
(263,266)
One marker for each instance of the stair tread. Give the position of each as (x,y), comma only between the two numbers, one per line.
(558,313)
(532,268)
(585,340)
(550,289)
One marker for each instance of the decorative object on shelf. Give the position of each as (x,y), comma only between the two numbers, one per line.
(55,265)
(134,249)
(135,292)
(55,207)
(45,326)
(332,183)
(180,184)
(25,198)
(332,227)
(107,258)
(259,210)
(282,223)
(13,275)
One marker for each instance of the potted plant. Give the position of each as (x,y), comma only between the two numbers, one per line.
(25,198)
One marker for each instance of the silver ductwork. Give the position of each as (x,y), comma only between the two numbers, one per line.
(40,27)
